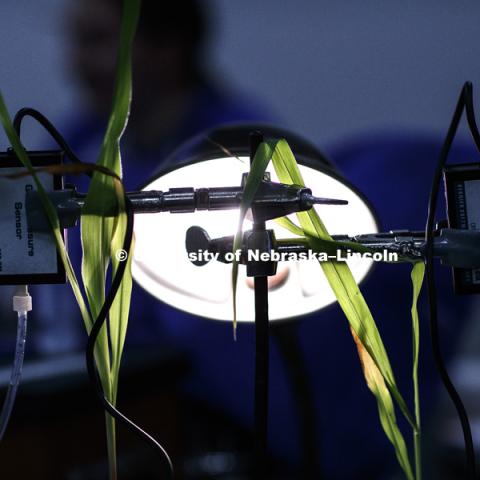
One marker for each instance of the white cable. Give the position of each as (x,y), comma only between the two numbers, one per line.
(22,304)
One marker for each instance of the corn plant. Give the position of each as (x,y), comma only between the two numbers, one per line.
(102,237)
(372,353)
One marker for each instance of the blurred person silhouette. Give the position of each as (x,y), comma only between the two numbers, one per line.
(174,98)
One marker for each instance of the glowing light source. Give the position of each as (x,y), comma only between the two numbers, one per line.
(161,266)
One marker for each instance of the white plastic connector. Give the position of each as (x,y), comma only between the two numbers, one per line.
(22,301)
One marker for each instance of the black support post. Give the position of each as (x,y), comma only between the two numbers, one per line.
(261,351)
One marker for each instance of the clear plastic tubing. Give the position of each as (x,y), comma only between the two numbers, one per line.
(16,369)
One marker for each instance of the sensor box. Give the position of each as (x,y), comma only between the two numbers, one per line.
(462,187)
(26,257)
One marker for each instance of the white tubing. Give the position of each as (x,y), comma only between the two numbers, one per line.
(22,303)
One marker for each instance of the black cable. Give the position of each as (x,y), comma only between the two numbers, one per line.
(92,338)
(472,123)
(116,282)
(54,133)
(465,100)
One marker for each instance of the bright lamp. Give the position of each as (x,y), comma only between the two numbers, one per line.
(218,159)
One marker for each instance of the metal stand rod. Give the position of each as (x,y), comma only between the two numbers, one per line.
(261,377)
(261,352)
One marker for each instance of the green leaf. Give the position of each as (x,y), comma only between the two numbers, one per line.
(386,410)
(418,273)
(376,365)
(286,223)
(102,237)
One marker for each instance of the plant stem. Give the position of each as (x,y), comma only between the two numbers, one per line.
(111,446)
(417,436)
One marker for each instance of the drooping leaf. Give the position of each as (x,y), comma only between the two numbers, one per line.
(338,274)
(376,365)
(386,410)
